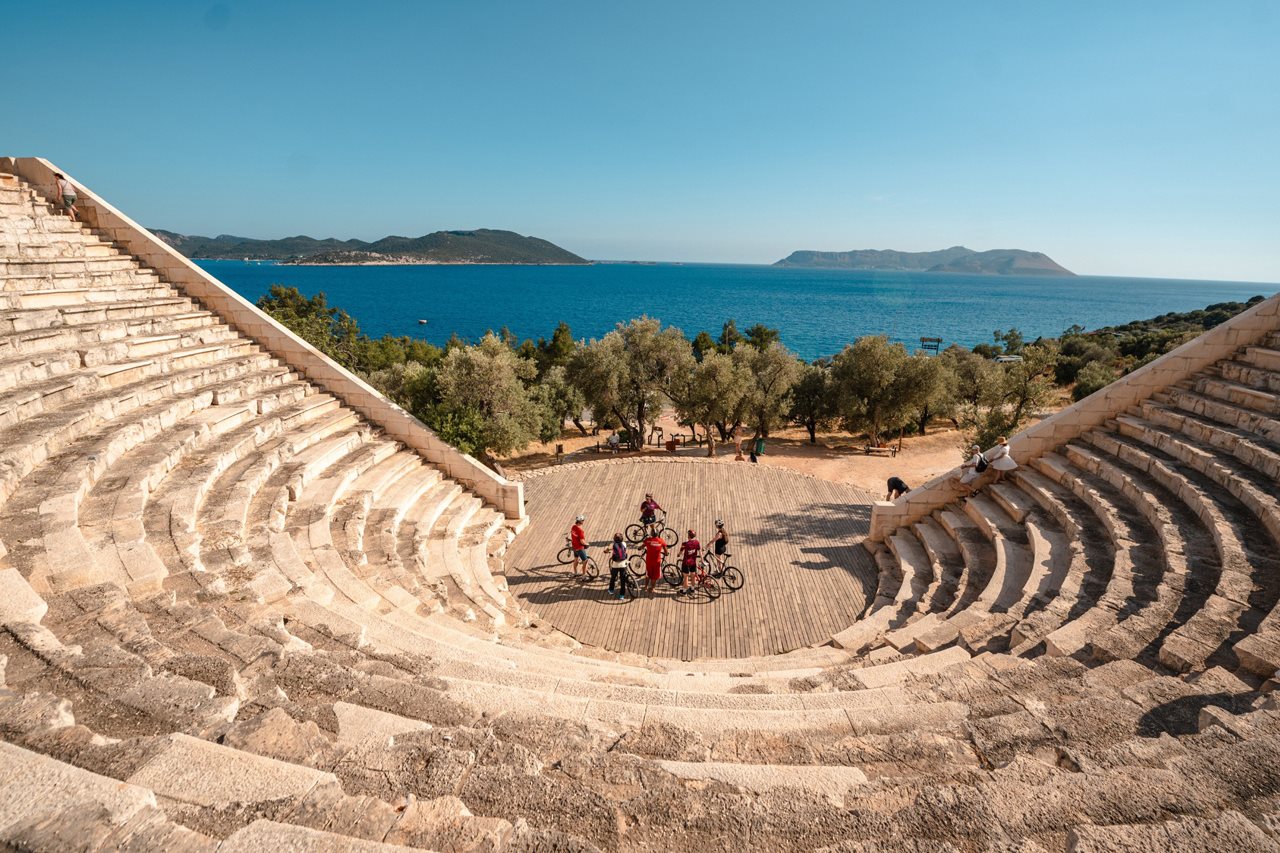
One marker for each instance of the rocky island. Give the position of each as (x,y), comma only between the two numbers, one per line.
(955,259)
(480,246)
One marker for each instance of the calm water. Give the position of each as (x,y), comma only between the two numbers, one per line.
(817,311)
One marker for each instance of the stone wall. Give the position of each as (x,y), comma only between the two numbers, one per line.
(242,315)
(1059,429)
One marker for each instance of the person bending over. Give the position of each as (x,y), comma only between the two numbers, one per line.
(897,488)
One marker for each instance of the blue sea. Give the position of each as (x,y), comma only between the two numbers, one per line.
(817,311)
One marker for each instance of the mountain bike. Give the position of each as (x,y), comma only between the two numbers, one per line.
(639,532)
(703,582)
(731,576)
(565,558)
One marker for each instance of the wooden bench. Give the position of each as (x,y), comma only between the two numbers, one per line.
(889,450)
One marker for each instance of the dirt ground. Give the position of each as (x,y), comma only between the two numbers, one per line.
(837,456)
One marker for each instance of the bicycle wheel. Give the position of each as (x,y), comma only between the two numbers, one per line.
(635,565)
(593,570)
(711,587)
(670,536)
(635,532)
(733,578)
(671,574)
(565,556)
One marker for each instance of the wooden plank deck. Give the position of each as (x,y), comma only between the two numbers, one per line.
(796,538)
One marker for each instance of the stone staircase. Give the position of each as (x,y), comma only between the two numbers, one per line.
(235,613)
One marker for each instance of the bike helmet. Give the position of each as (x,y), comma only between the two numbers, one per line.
(692,535)
(580,519)
(648,494)
(719,523)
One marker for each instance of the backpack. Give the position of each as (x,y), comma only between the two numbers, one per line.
(982,463)
(619,552)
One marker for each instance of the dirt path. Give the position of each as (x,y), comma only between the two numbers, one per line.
(837,457)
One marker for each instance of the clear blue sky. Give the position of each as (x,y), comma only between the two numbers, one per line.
(1134,138)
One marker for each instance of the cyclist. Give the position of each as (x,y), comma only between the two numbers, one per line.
(688,563)
(655,549)
(618,566)
(578,544)
(721,545)
(649,509)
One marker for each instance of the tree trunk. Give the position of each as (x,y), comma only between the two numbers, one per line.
(924,419)
(711,440)
(637,437)
(812,426)
(577,421)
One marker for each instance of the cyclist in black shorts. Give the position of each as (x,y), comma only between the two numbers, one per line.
(688,563)
(721,544)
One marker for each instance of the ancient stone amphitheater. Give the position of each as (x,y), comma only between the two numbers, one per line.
(248,604)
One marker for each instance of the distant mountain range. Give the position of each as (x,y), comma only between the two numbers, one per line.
(481,246)
(955,259)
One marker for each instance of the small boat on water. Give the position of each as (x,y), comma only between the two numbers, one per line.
(422,322)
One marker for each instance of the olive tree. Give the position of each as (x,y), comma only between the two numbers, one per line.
(774,371)
(813,398)
(712,392)
(875,389)
(484,384)
(627,373)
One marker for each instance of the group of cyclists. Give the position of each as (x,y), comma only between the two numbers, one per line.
(654,548)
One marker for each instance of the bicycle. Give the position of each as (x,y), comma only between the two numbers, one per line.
(639,532)
(565,557)
(702,581)
(732,576)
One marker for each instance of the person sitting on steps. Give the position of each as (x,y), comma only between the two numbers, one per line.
(688,563)
(972,470)
(1000,459)
(578,544)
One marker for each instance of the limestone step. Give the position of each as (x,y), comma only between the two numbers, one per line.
(34,782)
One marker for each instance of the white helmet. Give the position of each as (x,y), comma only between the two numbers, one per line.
(580,519)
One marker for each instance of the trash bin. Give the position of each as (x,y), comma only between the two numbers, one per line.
(671,445)
(559,450)
(759,447)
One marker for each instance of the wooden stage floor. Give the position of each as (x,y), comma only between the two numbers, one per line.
(796,538)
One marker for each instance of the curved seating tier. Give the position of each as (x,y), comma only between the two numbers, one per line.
(234,614)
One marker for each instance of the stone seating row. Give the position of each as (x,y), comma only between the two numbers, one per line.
(192,777)
(1182,493)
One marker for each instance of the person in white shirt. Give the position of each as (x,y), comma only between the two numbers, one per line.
(1000,460)
(67,196)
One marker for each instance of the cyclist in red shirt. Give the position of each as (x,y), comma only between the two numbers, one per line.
(649,509)
(654,550)
(578,543)
(688,563)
